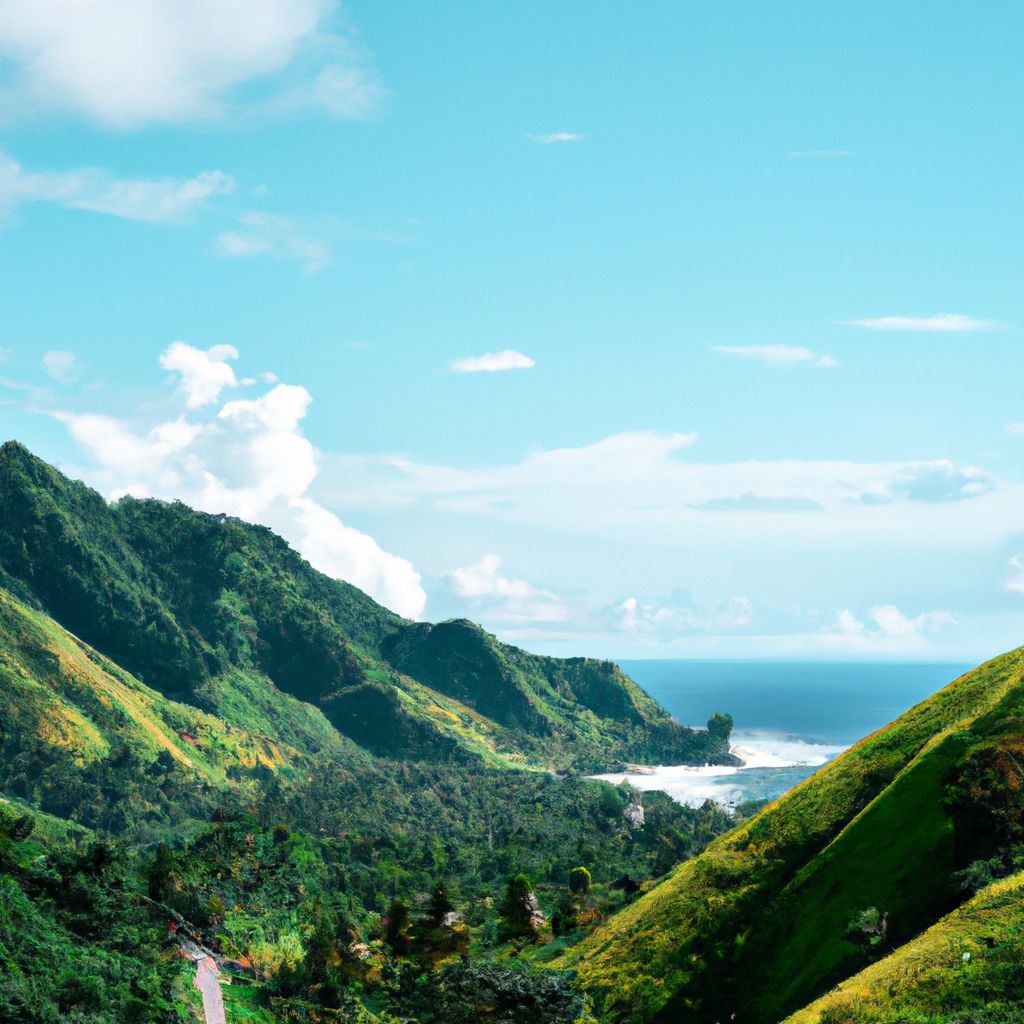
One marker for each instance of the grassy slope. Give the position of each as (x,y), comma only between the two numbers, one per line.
(927,980)
(770,901)
(85,740)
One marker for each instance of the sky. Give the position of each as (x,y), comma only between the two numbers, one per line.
(667,329)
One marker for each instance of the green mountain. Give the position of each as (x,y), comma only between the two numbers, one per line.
(196,725)
(852,863)
(224,615)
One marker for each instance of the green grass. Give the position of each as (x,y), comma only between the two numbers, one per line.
(756,924)
(928,981)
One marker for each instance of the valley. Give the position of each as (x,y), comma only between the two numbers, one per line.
(367,819)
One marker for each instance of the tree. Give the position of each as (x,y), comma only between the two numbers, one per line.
(579,882)
(565,919)
(396,927)
(159,874)
(868,927)
(518,910)
(440,905)
(720,726)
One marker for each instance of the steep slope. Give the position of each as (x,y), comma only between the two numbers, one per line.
(83,740)
(222,614)
(760,922)
(968,968)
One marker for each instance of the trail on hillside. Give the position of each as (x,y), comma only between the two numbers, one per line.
(206,980)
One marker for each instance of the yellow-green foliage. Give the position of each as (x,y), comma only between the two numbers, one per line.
(63,703)
(756,924)
(962,961)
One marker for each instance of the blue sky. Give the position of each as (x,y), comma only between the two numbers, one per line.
(752,272)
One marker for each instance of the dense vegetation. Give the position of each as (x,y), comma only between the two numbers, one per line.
(189,603)
(240,790)
(360,817)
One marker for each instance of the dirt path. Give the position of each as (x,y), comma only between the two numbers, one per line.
(207,983)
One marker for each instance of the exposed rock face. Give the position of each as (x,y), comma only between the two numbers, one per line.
(537,917)
(634,811)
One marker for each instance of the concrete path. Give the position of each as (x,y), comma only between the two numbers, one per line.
(208,983)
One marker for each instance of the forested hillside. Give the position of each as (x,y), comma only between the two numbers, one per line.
(224,615)
(197,727)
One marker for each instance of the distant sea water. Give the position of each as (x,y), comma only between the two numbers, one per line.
(790,717)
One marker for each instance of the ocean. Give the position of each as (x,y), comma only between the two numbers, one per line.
(790,717)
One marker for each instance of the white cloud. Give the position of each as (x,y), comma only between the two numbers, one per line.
(125,63)
(667,622)
(848,624)
(638,484)
(1015,428)
(204,375)
(1016,582)
(249,460)
(493,362)
(60,366)
(940,323)
(265,234)
(552,137)
(484,580)
(156,200)
(777,355)
(484,591)
(893,623)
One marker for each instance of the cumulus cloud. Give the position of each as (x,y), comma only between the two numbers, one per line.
(155,200)
(60,365)
(204,375)
(126,63)
(265,234)
(777,355)
(553,137)
(891,622)
(249,459)
(883,629)
(482,589)
(493,362)
(940,323)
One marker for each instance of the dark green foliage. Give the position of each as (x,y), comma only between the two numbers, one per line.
(868,928)
(159,874)
(440,905)
(78,942)
(197,605)
(720,726)
(756,926)
(502,993)
(517,910)
(396,927)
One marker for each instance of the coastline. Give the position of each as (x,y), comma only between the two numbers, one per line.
(772,763)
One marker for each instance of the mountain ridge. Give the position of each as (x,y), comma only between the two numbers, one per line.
(183,599)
